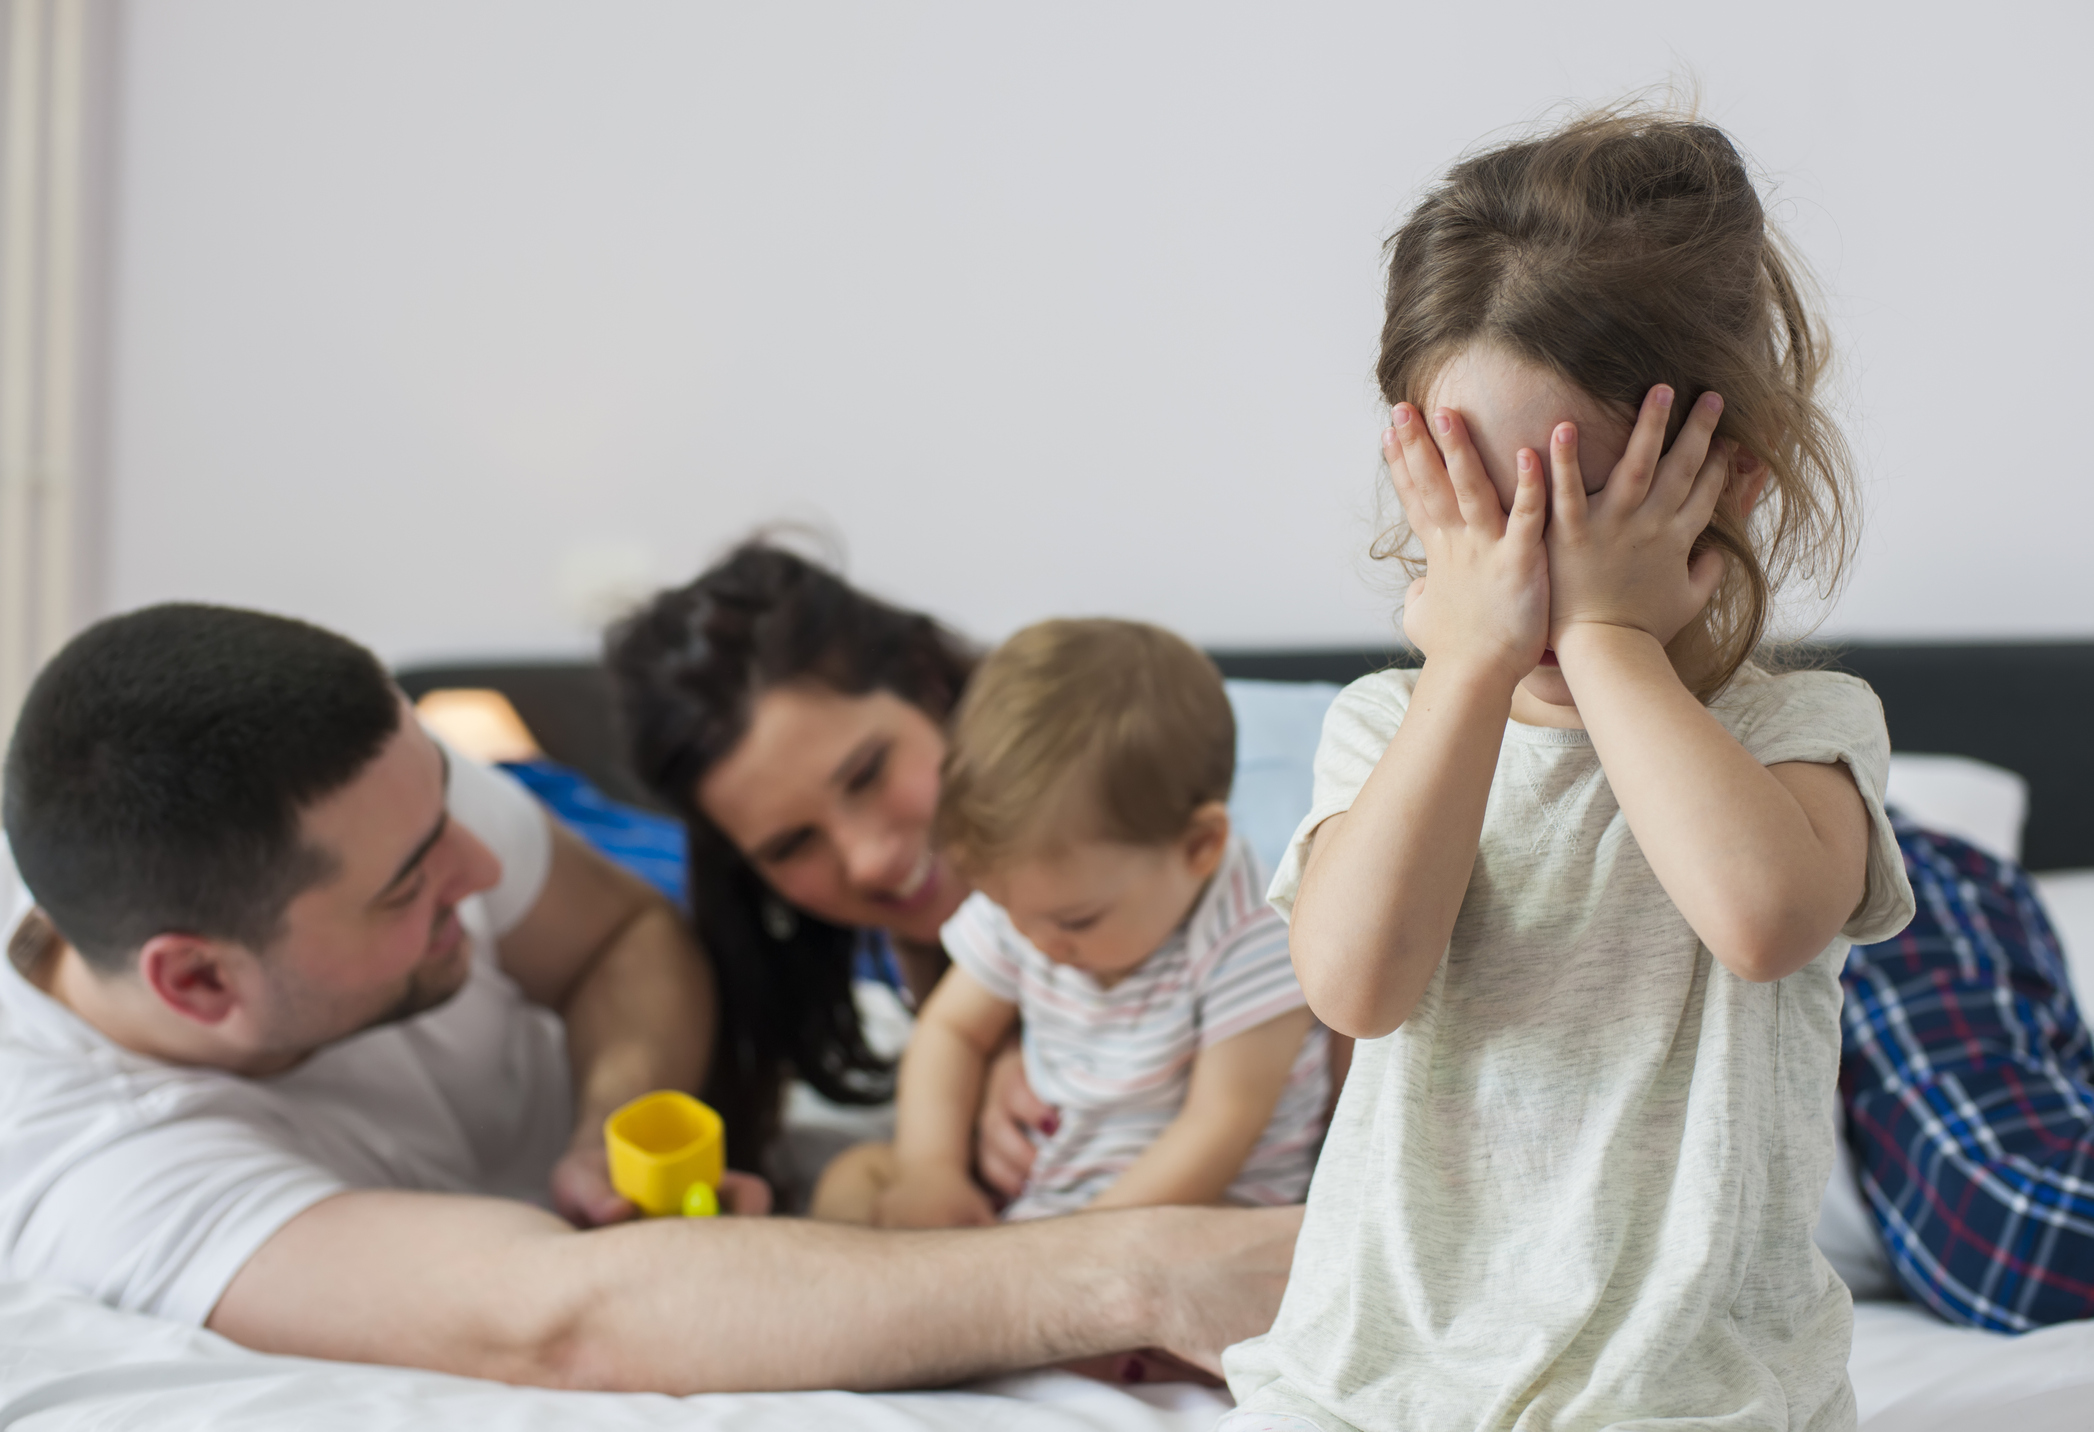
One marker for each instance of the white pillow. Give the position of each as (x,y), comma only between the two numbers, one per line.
(1971,800)
(1278,725)
(2068,898)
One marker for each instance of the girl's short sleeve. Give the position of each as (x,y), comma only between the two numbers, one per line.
(1828,717)
(980,939)
(1356,730)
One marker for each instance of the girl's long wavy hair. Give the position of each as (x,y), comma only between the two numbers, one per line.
(1625,249)
(689,667)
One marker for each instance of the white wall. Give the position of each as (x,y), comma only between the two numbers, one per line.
(435,317)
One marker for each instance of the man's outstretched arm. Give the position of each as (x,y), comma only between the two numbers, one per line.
(491,1288)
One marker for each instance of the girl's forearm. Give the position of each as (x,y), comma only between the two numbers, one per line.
(1732,845)
(1385,880)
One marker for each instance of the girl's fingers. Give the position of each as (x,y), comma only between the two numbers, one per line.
(1530,500)
(1566,480)
(1400,479)
(1700,501)
(1465,471)
(1392,458)
(1692,450)
(1704,576)
(1415,465)
(1631,477)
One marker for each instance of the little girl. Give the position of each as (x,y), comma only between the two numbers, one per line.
(1581,885)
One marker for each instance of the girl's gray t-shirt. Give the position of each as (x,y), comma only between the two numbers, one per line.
(1576,1188)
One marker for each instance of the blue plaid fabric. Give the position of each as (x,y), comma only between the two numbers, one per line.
(1968,1076)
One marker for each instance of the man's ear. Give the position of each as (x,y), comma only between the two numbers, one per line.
(1206,838)
(190,975)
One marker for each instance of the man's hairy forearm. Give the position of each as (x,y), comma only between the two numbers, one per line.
(494,1289)
(825,1305)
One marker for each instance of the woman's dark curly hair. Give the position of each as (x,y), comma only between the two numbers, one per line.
(689,667)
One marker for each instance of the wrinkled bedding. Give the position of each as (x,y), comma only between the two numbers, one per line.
(67,1363)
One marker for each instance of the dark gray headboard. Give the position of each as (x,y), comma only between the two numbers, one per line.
(2028,706)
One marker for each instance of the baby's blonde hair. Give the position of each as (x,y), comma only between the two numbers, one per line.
(1625,249)
(1073,730)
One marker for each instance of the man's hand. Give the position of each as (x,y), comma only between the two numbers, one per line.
(1226,1269)
(1003,1146)
(1620,557)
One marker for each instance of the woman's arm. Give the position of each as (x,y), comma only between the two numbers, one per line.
(1384,881)
(940,1087)
(1766,864)
(1234,1088)
(636,996)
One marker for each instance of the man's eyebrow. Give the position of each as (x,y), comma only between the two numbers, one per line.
(428,842)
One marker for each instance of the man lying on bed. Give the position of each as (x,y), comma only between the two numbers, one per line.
(312,1020)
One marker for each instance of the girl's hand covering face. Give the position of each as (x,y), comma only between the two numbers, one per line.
(1489,598)
(1620,556)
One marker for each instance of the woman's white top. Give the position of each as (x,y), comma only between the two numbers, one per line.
(1576,1188)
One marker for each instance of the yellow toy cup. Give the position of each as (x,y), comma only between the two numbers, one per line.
(667,1153)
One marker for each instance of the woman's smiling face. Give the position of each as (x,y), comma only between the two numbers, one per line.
(831,798)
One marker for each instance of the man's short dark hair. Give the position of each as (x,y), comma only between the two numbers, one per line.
(162,760)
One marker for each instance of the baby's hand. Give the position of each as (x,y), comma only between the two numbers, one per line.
(933,1198)
(1489,571)
(1620,556)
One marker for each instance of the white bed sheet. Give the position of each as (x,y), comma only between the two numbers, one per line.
(67,1363)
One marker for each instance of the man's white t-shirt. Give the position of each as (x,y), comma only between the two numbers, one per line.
(149,1185)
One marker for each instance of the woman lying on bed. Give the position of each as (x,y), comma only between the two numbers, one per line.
(797,726)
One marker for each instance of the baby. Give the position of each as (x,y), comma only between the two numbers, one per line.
(1119,917)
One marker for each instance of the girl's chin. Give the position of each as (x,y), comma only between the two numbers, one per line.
(1546,684)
